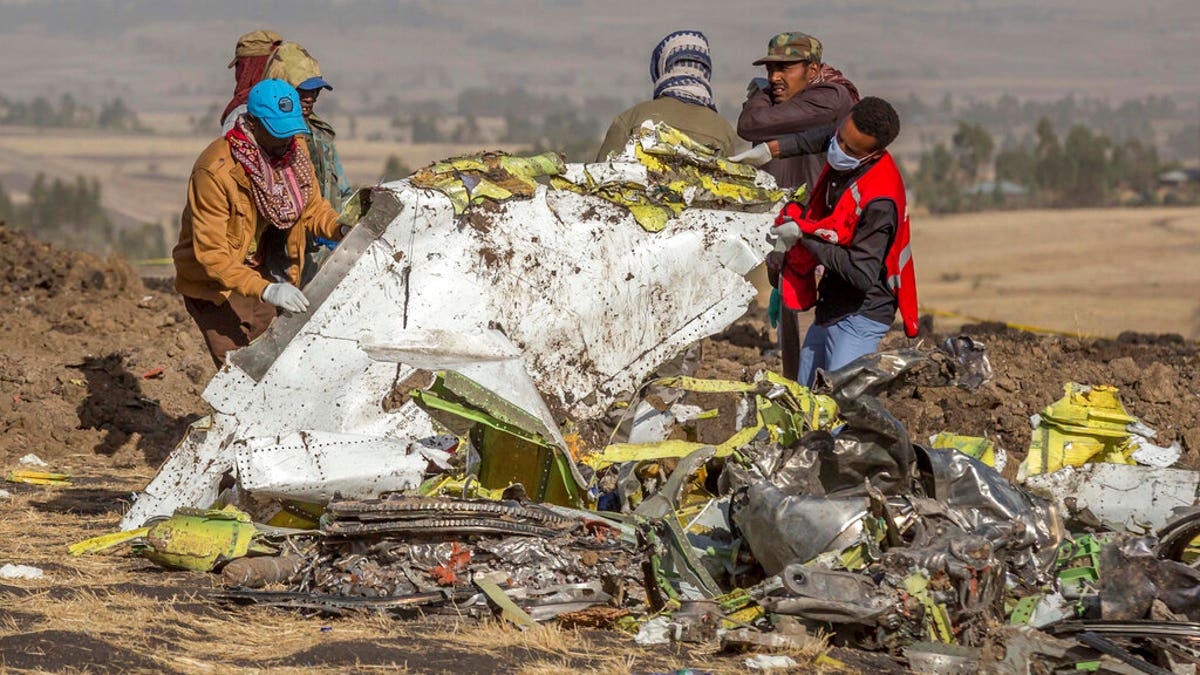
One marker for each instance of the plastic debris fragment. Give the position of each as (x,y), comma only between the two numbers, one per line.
(11,571)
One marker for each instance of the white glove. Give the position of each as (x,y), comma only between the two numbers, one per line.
(786,236)
(286,296)
(756,156)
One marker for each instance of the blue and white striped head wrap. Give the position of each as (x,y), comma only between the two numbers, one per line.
(681,67)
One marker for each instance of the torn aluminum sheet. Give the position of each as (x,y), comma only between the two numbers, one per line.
(592,300)
(1139,499)
(1025,529)
(313,466)
(782,529)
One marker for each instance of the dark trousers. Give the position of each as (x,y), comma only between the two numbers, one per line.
(230,325)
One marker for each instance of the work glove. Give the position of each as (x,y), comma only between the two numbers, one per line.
(756,156)
(785,235)
(758,83)
(286,296)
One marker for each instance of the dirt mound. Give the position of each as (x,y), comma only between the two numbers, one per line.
(1158,377)
(79,336)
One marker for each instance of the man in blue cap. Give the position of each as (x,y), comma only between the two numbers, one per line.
(293,64)
(253,198)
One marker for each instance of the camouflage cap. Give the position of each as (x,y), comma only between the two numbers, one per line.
(294,65)
(255,43)
(792,47)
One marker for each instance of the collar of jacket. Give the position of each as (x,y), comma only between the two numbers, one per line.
(318,123)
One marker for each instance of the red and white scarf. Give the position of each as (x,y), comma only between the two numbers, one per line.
(281,187)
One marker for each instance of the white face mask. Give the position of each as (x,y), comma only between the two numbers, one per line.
(838,159)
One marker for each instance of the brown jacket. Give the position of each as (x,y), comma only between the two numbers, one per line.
(218,228)
(818,105)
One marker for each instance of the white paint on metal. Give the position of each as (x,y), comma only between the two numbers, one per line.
(314,466)
(592,302)
(1123,496)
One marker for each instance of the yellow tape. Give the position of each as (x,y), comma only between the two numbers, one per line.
(1015,326)
(153,261)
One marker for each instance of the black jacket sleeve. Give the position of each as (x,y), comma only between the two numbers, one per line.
(811,142)
(860,262)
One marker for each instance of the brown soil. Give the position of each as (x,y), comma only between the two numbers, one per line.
(1158,377)
(78,337)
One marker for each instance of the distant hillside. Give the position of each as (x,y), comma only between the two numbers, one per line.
(170,55)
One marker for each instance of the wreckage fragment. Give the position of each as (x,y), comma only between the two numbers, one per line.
(661,172)
(491,176)
(588,302)
(1090,425)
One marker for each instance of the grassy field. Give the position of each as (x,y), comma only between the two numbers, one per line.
(144,177)
(1089,271)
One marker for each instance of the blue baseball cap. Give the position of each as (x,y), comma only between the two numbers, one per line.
(317,82)
(276,104)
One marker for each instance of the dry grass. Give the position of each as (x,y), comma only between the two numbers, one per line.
(113,610)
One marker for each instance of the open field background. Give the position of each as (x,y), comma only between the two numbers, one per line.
(170,55)
(1088,271)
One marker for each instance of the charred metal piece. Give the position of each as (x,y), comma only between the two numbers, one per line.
(439,526)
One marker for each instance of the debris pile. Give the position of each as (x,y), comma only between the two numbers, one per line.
(492,439)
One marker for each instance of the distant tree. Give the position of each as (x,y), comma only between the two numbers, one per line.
(67,111)
(117,116)
(1016,164)
(973,147)
(1136,167)
(938,184)
(1185,143)
(41,113)
(518,129)
(147,240)
(1049,173)
(425,130)
(1089,175)
(467,131)
(394,169)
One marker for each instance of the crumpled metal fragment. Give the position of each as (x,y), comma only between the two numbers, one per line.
(494,176)
(819,594)
(662,171)
(1024,529)
(1132,577)
(782,528)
